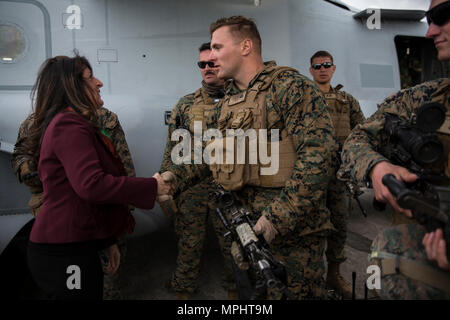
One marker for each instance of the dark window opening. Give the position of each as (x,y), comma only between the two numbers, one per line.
(417,58)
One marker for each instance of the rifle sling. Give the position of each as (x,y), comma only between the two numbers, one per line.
(426,274)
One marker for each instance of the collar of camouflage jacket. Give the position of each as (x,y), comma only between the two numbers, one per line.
(333,90)
(213,91)
(442,91)
(231,87)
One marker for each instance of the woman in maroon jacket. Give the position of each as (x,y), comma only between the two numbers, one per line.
(86,190)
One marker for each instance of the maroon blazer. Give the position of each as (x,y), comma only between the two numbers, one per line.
(85,196)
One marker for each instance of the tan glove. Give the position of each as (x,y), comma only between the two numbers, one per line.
(35,203)
(170,177)
(267,229)
(29,175)
(238,256)
(166,183)
(166,201)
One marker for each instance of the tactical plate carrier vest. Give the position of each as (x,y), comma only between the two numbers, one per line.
(202,109)
(247,110)
(339,108)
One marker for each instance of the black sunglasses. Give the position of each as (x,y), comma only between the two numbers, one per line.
(202,64)
(439,15)
(326,65)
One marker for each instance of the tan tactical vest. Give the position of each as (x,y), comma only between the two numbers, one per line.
(247,110)
(339,108)
(202,109)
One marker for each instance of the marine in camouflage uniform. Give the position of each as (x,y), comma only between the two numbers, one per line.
(298,209)
(294,105)
(26,171)
(361,152)
(195,204)
(346,114)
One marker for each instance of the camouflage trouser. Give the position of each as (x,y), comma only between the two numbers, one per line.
(302,256)
(338,204)
(190,225)
(405,241)
(111,286)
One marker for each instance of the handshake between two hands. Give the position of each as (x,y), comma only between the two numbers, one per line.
(167,185)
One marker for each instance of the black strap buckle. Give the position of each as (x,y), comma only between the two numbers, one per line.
(397,264)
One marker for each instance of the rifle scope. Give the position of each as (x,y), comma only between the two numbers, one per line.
(418,136)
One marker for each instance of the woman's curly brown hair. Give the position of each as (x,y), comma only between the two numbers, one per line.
(59,85)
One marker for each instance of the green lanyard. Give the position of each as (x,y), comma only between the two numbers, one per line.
(103,131)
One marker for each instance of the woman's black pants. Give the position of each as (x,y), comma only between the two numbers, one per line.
(67,271)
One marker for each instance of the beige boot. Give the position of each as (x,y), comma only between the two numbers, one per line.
(232,295)
(182,295)
(179,295)
(336,282)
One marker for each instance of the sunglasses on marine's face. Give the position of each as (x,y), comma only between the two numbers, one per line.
(202,64)
(326,65)
(439,15)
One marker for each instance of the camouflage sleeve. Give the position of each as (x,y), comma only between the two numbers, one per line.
(176,121)
(301,204)
(20,155)
(362,149)
(121,147)
(111,124)
(356,115)
(187,174)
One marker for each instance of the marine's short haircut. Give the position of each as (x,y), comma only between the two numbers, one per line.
(321,54)
(240,28)
(205,46)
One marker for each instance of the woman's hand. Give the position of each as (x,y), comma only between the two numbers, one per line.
(114,260)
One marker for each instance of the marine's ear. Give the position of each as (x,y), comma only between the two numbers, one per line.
(246,46)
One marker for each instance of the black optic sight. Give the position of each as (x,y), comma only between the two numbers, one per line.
(416,139)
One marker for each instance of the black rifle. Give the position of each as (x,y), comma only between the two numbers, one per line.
(270,272)
(413,144)
(355,192)
(352,188)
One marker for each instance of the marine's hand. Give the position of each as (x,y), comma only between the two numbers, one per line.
(267,229)
(382,193)
(436,249)
(170,178)
(164,188)
(114,260)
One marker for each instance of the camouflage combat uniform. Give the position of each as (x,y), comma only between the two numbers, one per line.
(194,204)
(405,241)
(297,210)
(110,125)
(361,153)
(346,114)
